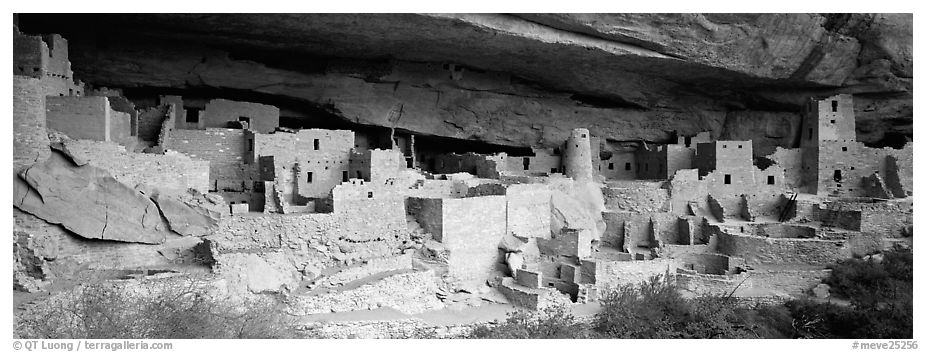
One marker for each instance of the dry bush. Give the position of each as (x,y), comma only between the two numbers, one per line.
(153,309)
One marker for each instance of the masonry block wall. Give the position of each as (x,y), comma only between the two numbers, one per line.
(791,163)
(150,122)
(637,197)
(885,219)
(30,55)
(121,128)
(830,119)
(87,118)
(224,148)
(678,157)
(285,189)
(732,156)
(45,58)
(693,141)
(30,140)
(316,176)
(608,275)
(765,250)
(429,214)
(472,229)
(172,170)
(376,165)
(621,166)
(305,143)
(726,189)
(322,157)
(660,162)
(842,164)
(485,166)
(542,162)
(368,210)
(434,189)
(79,118)
(261,118)
(651,163)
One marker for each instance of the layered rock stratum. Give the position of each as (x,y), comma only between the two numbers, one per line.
(519,80)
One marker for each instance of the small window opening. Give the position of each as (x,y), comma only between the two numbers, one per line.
(739,146)
(627,166)
(192,115)
(771,180)
(835,105)
(315,144)
(583,135)
(369,194)
(527,163)
(837,175)
(553,170)
(845,149)
(833,121)
(610,166)
(727,179)
(308,177)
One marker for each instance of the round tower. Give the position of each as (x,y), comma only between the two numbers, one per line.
(577,156)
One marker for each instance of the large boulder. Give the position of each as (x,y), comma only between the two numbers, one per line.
(189,213)
(88,201)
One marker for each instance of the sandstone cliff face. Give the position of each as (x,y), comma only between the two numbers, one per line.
(519,80)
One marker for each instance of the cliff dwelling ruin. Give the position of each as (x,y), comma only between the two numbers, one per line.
(416,185)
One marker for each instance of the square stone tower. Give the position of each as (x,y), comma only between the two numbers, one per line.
(828,144)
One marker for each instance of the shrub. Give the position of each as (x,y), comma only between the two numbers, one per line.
(656,309)
(881,297)
(551,322)
(158,309)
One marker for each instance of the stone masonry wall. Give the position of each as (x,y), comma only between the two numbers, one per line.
(429,214)
(608,275)
(764,250)
(223,148)
(150,121)
(621,166)
(636,197)
(369,211)
(167,171)
(30,140)
(263,118)
(79,117)
(472,230)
